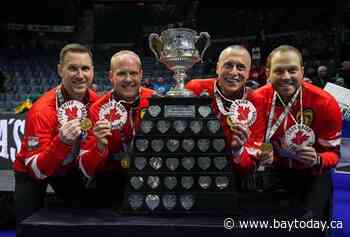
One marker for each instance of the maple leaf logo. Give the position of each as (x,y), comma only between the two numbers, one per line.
(113,115)
(72,113)
(299,138)
(243,113)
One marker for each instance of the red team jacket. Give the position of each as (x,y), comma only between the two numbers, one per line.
(42,151)
(248,157)
(321,113)
(92,161)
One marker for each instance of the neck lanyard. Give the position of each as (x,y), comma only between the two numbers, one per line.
(60,98)
(133,105)
(271,129)
(218,95)
(301,109)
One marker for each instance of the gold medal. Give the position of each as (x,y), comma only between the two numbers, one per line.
(124,160)
(125,163)
(85,124)
(230,122)
(266,147)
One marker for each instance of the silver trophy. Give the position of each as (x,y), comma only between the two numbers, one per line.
(176,48)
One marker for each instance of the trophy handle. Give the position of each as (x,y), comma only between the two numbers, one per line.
(207,43)
(155,40)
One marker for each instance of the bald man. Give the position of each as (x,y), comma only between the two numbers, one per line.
(228,88)
(110,138)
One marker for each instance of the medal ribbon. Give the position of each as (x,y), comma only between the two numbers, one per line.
(133,105)
(301,110)
(59,97)
(220,104)
(271,129)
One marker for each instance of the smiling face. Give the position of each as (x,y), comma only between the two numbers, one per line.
(77,72)
(286,73)
(125,75)
(233,70)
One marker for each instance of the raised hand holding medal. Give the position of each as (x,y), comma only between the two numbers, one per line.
(240,131)
(115,113)
(241,116)
(70,115)
(299,135)
(70,110)
(242,111)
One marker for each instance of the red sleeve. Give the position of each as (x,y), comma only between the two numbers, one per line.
(91,160)
(194,86)
(42,151)
(329,137)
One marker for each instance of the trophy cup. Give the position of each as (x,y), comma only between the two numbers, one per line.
(176,48)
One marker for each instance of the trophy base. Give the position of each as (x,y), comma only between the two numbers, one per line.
(186,124)
(180,93)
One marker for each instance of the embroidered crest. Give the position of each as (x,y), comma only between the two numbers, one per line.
(33,142)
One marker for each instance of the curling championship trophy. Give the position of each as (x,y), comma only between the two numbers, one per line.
(179,161)
(177,50)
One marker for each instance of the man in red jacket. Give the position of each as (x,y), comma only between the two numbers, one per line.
(116,117)
(228,89)
(304,125)
(53,135)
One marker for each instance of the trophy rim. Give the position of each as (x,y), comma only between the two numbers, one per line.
(179,29)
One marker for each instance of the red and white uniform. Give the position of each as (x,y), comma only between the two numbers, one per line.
(92,161)
(323,114)
(246,161)
(42,152)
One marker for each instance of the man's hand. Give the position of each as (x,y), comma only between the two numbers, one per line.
(70,131)
(240,133)
(307,155)
(102,130)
